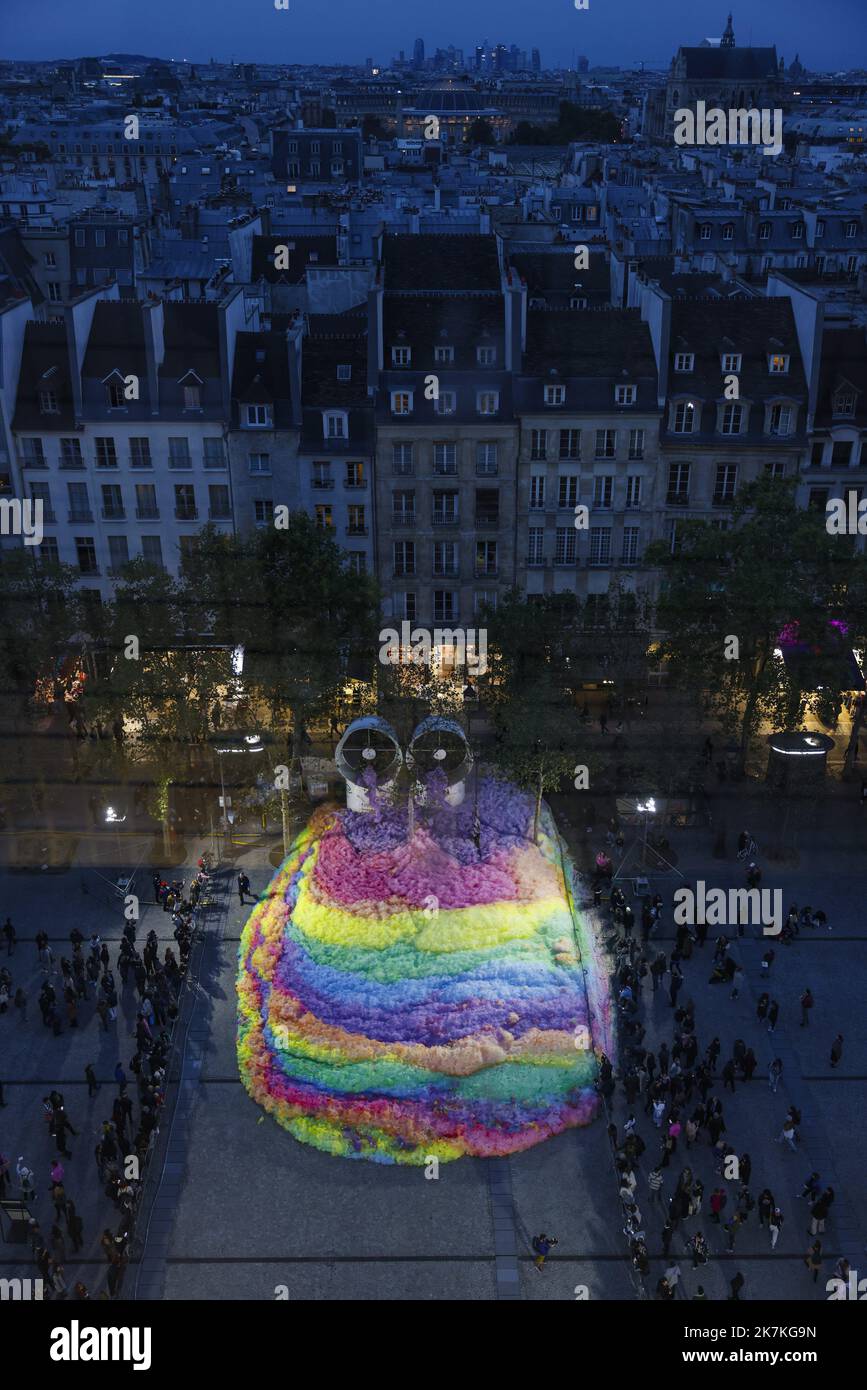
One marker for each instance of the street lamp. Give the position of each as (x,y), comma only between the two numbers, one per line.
(112,818)
(647,809)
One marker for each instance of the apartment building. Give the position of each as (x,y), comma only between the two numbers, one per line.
(442,340)
(588,414)
(120,430)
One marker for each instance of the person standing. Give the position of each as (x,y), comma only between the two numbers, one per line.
(775,1225)
(243,886)
(836,1049)
(718,1201)
(9,933)
(807,1002)
(736,1285)
(75,1227)
(773,1015)
(775,1071)
(92,1083)
(766,1206)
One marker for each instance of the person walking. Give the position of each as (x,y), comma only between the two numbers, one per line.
(775,1225)
(90,1078)
(813,1259)
(836,1050)
(731,1228)
(120,1078)
(9,933)
(775,1071)
(728,1075)
(737,981)
(762,1007)
(773,1015)
(542,1245)
(807,1002)
(787,1135)
(243,886)
(819,1214)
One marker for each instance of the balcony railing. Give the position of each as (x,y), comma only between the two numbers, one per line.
(487,470)
(677,499)
(323,482)
(446,468)
(187,513)
(180,463)
(147,513)
(403,470)
(486,571)
(402,572)
(445,519)
(487,521)
(141,461)
(355,487)
(536,564)
(445,571)
(113,514)
(80,514)
(723,499)
(403,518)
(38,461)
(356,530)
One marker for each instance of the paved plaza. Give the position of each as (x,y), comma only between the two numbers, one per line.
(237,1209)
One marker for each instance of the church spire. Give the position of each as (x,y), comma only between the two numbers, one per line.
(728,38)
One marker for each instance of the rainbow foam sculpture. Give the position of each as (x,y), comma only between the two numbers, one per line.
(401,1000)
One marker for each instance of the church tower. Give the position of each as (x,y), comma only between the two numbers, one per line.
(728,38)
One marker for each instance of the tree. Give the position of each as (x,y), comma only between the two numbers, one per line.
(538,741)
(479,132)
(728,596)
(39,619)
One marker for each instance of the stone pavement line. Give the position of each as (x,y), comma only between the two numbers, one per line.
(150,1283)
(507,1276)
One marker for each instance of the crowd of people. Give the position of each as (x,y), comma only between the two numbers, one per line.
(678,1088)
(79,990)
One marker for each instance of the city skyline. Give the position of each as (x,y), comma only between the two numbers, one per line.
(826,38)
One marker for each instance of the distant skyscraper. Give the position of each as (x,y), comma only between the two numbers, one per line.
(418,53)
(536,60)
(583,63)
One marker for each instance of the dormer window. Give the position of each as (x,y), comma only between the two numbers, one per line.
(48,404)
(820,228)
(781,419)
(487,402)
(578,302)
(192,397)
(731,361)
(797,231)
(683,417)
(257,416)
(728,232)
(851,230)
(401,356)
(844,403)
(704,231)
(684,361)
(115,395)
(344,371)
(625,395)
(335,424)
(764,231)
(443,354)
(555,395)
(486,356)
(445,403)
(778,363)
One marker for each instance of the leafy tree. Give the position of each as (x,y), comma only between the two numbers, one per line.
(39,619)
(729,595)
(538,740)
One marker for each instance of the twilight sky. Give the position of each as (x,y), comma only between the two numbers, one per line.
(831,34)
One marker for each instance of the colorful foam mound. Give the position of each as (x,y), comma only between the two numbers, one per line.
(400,1000)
